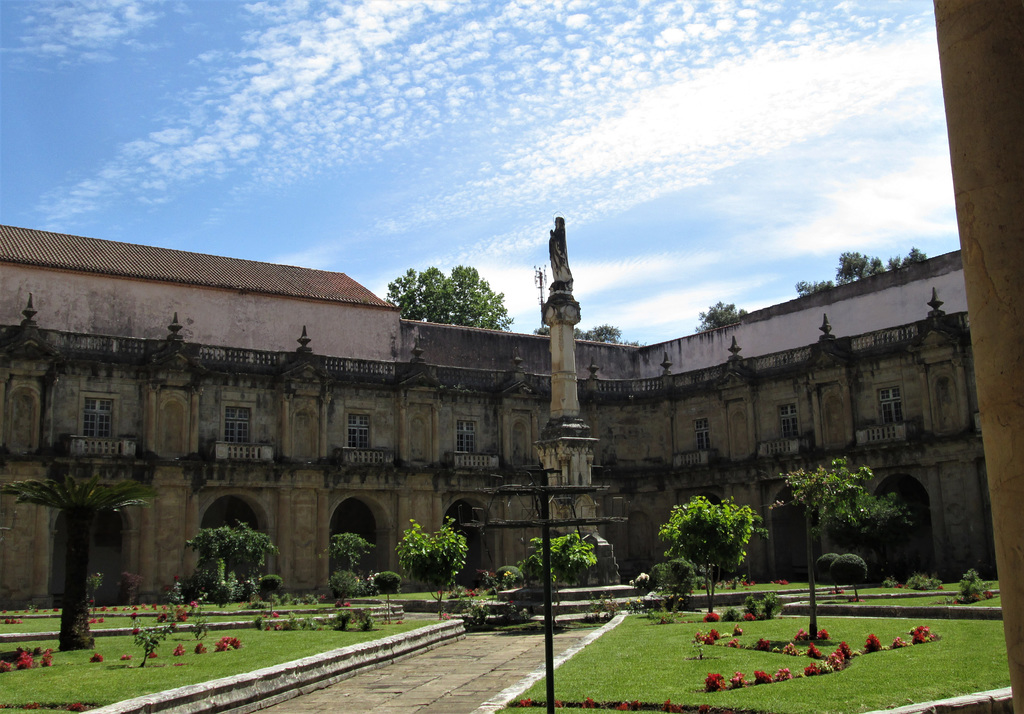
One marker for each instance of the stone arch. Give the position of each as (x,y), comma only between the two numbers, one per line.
(461,511)
(305,434)
(787,526)
(918,554)
(228,509)
(106,555)
(354,515)
(172,439)
(23,420)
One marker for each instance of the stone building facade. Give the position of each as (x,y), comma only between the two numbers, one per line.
(297,401)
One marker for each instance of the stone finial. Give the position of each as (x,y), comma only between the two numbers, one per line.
(29,312)
(734,349)
(417,351)
(517,361)
(826,329)
(935,304)
(666,366)
(174,328)
(593,370)
(304,341)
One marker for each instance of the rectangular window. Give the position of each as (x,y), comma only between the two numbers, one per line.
(236,425)
(359,431)
(789,421)
(465,437)
(892,405)
(702,434)
(96,418)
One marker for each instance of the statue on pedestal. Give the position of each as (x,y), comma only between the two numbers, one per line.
(561,276)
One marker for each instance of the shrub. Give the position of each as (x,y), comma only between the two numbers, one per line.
(790,649)
(849,568)
(509,576)
(714,682)
(765,608)
(823,566)
(972,587)
(731,614)
(270,582)
(923,581)
(737,682)
(677,578)
(343,583)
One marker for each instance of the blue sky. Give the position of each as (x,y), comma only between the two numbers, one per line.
(699,151)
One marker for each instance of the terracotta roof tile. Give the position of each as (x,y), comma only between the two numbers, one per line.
(26,246)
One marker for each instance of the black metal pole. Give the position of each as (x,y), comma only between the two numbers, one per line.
(549,619)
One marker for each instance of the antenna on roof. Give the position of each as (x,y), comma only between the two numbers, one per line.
(540,279)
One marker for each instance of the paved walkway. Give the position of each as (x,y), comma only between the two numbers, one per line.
(453,679)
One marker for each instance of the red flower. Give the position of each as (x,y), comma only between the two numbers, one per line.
(763,645)
(96,657)
(813,652)
(712,617)
(762,677)
(811,670)
(179,650)
(749,616)
(872,644)
(822,634)
(200,648)
(714,682)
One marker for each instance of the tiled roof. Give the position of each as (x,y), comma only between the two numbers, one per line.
(26,246)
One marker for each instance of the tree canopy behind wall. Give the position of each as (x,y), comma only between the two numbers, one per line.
(460,298)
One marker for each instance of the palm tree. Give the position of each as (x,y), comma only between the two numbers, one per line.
(79,501)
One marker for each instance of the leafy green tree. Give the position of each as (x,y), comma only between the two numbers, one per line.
(804,288)
(349,547)
(714,536)
(79,501)
(875,523)
(856,266)
(719,315)
(433,558)
(461,298)
(826,494)
(570,558)
(602,333)
(849,569)
(232,546)
(388,583)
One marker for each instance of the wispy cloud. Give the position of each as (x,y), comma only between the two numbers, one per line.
(84,30)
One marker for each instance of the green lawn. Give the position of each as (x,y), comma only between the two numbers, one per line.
(73,678)
(654,663)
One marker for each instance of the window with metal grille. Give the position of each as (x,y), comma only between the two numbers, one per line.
(465,436)
(96,417)
(702,434)
(789,421)
(359,431)
(236,424)
(892,405)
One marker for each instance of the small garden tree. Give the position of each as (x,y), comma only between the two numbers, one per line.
(570,558)
(222,550)
(714,536)
(826,494)
(875,523)
(388,583)
(433,558)
(850,569)
(79,501)
(349,547)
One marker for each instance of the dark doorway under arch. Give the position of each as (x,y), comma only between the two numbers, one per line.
(462,512)
(788,528)
(105,556)
(229,510)
(917,554)
(354,516)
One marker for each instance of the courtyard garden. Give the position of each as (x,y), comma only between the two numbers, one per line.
(764,665)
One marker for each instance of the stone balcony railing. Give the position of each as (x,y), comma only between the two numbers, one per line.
(100,446)
(367,456)
(465,460)
(694,458)
(226,450)
(780,447)
(881,434)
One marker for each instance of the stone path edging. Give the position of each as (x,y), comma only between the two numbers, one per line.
(271,685)
(945,612)
(994,701)
(503,697)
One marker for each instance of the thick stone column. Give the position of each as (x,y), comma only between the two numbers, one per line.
(981,54)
